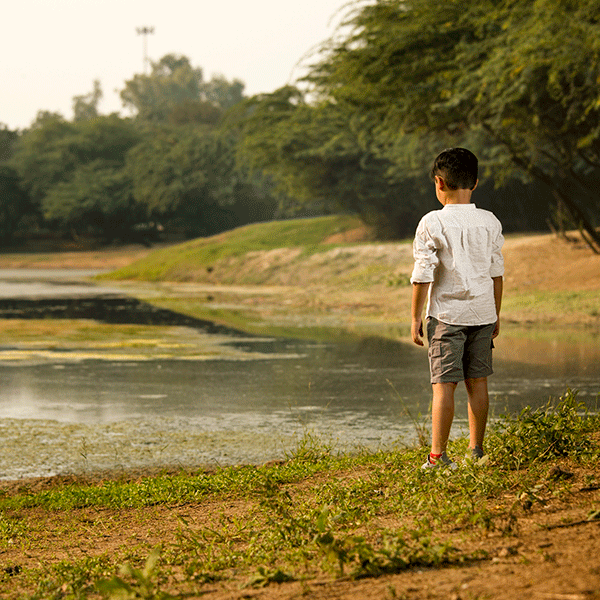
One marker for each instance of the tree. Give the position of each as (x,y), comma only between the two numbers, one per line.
(41,157)
(195,111)
(53,149)
(14,205)
(86,107)
(185,177)
(7,142)
(96,200)
(515,79)
(322,155)
(539,99)
(223,93)
(174,82)
(57,162)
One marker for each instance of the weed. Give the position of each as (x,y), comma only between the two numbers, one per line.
(394,553)
(11,528)
(135,583)
(320,511)
(552,431)
(423,434)
(264,576)
(74,580)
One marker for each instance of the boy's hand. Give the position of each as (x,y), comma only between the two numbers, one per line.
(416,330)
(496,329)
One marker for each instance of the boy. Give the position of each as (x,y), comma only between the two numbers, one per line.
(458,269)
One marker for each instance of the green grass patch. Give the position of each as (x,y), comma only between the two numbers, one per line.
(553,304)
(176,262)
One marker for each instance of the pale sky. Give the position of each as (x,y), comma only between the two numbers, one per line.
(53,50)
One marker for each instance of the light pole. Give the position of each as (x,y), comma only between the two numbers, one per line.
(145,31)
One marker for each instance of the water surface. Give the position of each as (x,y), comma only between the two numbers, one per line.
(103,414)
(244,399)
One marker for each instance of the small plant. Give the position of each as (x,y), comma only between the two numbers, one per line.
(264,576)
(553,431)
(423,434)
(10,529)
(65,579)
(135,583)
(396,551)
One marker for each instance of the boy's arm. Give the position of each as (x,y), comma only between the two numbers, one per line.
(498,289)
(419,296)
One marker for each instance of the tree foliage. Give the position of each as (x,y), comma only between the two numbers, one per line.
(186,177)
(7,142)
(516,79)
(86,107)
(14,204)
(64,166)
(97,199)
(174,82)
(323,157)
(167,166)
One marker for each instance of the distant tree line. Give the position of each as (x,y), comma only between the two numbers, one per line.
(514,80)
(169,167)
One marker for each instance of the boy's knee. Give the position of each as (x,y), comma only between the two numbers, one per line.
(475,380)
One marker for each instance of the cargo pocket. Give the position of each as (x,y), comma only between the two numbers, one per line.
(435,349)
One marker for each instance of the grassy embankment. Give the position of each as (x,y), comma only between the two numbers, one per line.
(325,272)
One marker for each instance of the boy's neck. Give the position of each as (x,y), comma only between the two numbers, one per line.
(447,195)
(456,197)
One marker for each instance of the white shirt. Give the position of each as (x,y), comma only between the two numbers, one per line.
(459,250)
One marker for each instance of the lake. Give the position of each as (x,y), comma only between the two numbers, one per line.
(242,399)
(86,415)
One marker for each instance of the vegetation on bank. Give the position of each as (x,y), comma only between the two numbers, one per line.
(317,514)
(326,270)
(197,259)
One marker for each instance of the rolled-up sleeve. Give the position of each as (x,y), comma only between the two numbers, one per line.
(425,254)
(497,263)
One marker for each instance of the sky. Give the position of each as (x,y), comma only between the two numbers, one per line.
(53,50)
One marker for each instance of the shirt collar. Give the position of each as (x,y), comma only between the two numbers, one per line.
(459,206)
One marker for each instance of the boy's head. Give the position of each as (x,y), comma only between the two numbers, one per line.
(457,167)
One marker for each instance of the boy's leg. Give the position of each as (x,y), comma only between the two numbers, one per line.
(479,402)
(442,415)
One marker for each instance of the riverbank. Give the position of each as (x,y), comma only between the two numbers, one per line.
(344,280)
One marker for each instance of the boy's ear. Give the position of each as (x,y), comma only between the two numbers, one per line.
(440,184)
(473,188)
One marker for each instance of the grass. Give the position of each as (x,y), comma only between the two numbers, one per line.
(534,303)
(177,263)
(317,514)
(76,331)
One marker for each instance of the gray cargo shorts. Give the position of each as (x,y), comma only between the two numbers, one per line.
(459,352)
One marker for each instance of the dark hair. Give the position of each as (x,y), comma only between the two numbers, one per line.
(458,168)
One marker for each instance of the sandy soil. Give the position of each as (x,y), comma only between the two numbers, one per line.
(554,554)
(369,282)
